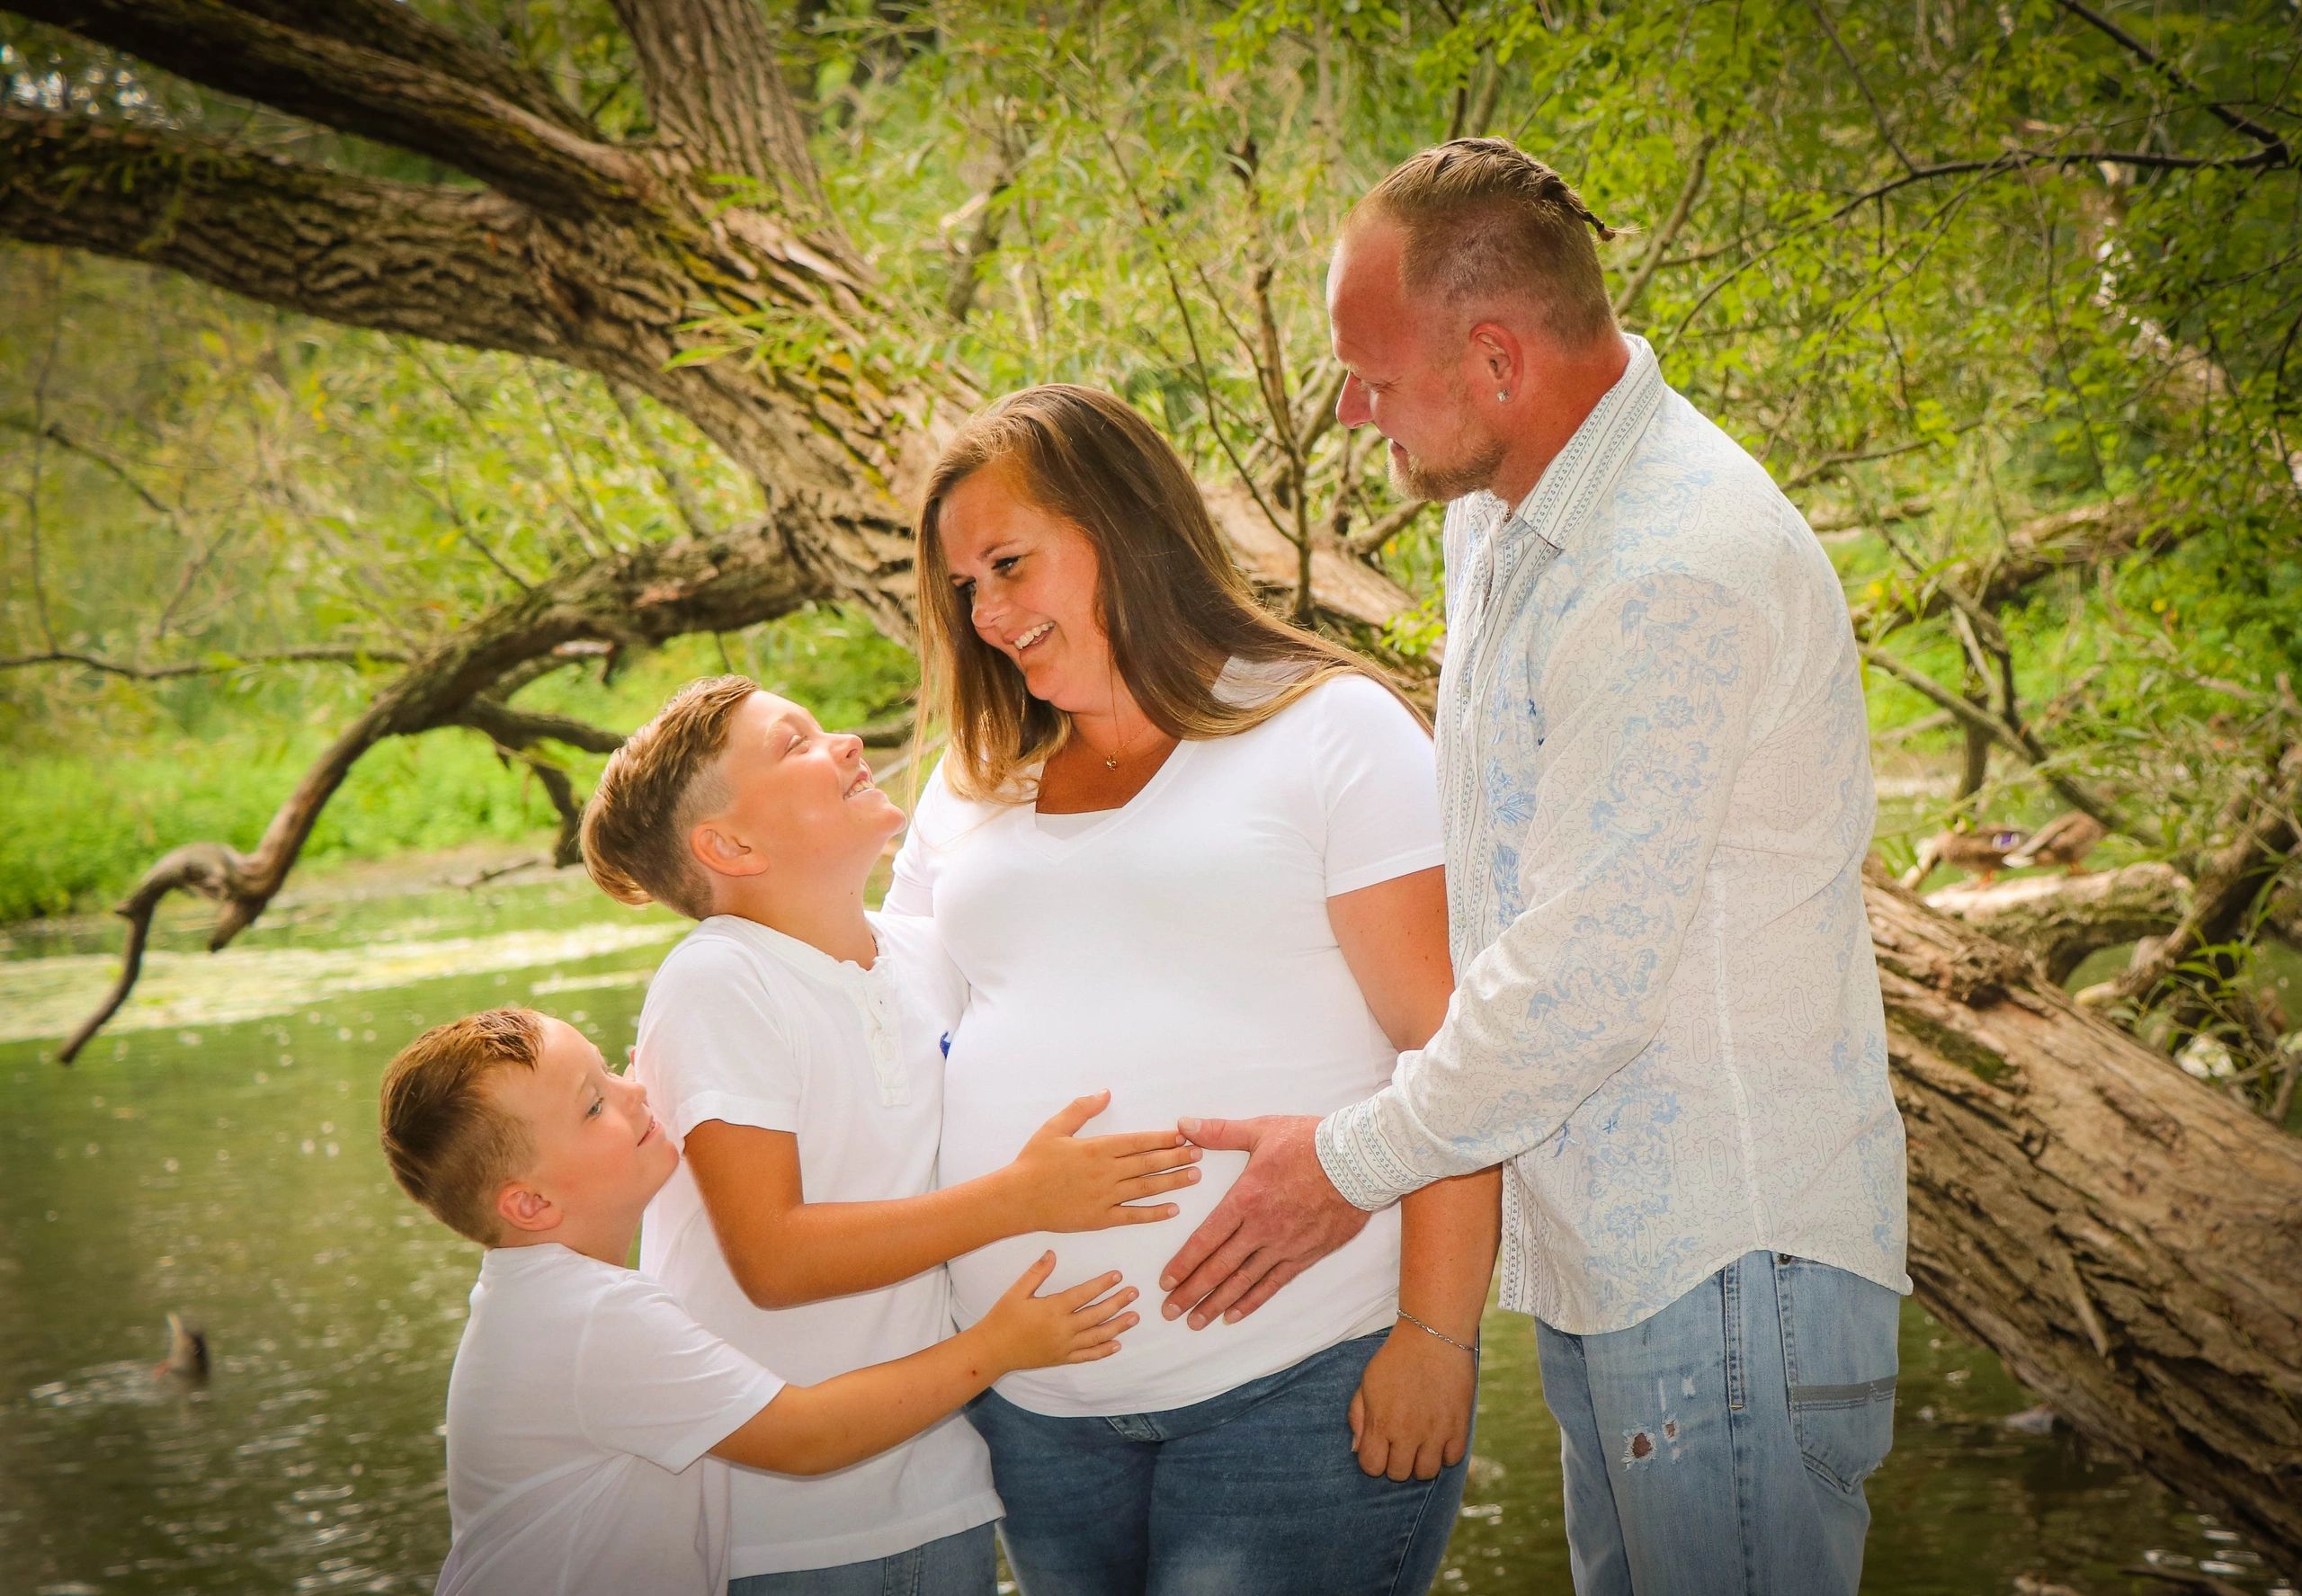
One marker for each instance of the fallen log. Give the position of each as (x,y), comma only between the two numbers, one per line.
(2062,920)
(2127,1240)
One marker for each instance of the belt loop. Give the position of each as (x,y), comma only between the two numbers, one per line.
(1730,1297)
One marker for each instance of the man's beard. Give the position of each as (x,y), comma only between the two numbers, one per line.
(1414,478)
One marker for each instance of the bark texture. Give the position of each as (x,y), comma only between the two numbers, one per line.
(2127,1240)
(2062,920)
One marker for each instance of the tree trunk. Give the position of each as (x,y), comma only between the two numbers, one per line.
(2127,1241)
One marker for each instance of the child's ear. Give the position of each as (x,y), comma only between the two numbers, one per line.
(724,853)
(523,1208)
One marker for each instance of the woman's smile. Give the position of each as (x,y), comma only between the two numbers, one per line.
(1032,636)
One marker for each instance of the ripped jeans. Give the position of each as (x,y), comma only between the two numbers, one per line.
(1720,1446)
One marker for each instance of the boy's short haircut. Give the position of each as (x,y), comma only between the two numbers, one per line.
(451,1144)
(652,792)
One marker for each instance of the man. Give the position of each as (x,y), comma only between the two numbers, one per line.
(1654,774)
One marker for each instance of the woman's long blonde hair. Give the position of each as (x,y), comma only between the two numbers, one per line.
(1174,607)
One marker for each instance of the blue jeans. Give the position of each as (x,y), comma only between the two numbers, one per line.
(1255,1492)
(961,1565)
(1720,1446)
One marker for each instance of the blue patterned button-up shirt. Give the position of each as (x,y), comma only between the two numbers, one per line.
(1655,773)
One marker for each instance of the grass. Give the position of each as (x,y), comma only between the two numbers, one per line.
(80,825)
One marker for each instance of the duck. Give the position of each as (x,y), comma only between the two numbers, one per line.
(1984,850)
(187,1359)
(2065,840)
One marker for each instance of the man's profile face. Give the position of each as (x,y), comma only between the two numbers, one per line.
(1409,374)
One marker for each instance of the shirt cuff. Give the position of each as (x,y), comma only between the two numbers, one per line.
(1360,1161)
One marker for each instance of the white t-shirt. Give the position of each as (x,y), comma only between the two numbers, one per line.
(745,1025)
(579,1413)
(1179,952)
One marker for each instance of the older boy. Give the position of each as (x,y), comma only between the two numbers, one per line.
(792,1043)
(583,1401)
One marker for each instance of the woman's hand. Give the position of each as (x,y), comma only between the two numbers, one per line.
(1065,1181)
(1411,1415)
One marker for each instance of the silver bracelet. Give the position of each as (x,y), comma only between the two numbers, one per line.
(1472,1349)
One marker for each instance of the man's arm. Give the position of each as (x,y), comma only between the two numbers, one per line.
(1394,937)
(1652,695)
(1657,690)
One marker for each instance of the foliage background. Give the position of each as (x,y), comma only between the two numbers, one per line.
(1945,268)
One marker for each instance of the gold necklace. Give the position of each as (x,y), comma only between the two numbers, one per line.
(1110,760)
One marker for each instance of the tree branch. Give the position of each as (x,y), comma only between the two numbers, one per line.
(518,729)
(335,75)
(450,264)
(2018,741)
(2062,920)
(720,102)
(567,847)
(2272,143)
(393,28)
(644,597)
(965,279)
(2227,886)
(312,653)
(53,431)
(2024,160)
(1878,112)
(1380,531)
(1672,225)
(2087,535)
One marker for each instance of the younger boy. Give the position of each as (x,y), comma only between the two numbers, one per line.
(791,1043)
(584,1402)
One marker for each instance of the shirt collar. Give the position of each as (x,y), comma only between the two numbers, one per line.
(1594,453)
(804,958)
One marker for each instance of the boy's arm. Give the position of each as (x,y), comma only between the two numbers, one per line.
(816,1429)
(784,1250)
(843,1420)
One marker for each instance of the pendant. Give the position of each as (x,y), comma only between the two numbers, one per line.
(1110,762)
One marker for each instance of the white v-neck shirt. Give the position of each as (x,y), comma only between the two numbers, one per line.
(747,1026)
(1177,950)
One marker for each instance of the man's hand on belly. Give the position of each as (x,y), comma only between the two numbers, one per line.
(1281,1217)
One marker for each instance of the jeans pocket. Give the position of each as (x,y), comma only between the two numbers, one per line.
(1839,1362)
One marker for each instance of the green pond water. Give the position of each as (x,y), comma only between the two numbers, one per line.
(214,1153)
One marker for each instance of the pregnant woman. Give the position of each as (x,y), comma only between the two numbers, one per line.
(1183,851)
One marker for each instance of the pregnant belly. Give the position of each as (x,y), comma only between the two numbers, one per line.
(986,1119)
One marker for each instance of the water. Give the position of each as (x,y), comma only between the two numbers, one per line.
(215,1154)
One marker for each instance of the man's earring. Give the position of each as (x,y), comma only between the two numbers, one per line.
(1501,396)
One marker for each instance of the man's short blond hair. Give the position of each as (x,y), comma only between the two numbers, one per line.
(1484,221)
(656,787)
(450,1143)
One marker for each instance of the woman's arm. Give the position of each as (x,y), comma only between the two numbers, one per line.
(1413,1411)
(784,1250)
